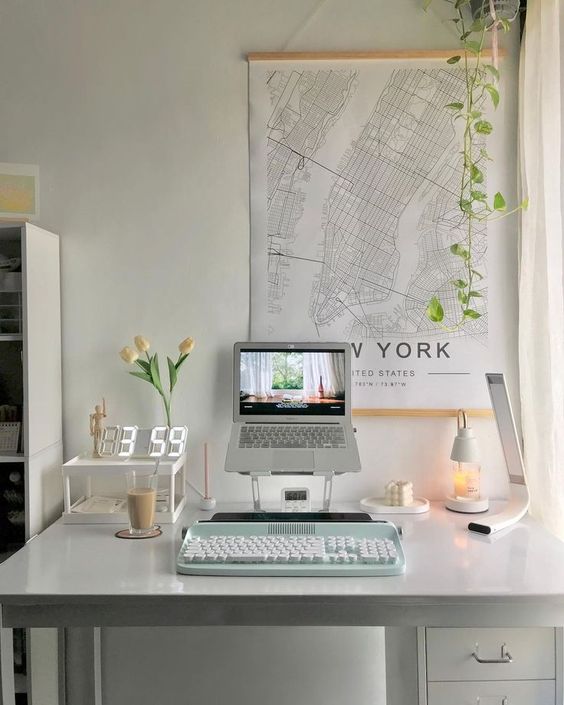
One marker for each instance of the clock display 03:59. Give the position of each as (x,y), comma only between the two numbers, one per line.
(157,442)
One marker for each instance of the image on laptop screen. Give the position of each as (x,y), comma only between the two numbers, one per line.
(297,382)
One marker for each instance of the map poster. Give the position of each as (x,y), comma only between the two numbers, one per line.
(355,171)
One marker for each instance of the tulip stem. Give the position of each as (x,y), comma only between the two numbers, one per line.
(167,403)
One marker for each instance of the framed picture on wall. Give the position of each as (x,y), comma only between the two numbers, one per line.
(19,191)
(355,175)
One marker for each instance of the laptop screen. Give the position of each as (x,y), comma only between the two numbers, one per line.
(292,382)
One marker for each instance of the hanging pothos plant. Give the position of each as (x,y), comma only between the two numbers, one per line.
(481,80)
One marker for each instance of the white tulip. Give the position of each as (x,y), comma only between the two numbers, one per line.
(186,346)
(128,354)
(141,343)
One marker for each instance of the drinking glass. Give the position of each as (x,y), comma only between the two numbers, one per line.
(141,501)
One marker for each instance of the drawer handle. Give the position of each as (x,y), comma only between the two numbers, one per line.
(505,700)
(504,658)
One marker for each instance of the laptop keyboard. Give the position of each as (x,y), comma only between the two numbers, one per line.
(292,436)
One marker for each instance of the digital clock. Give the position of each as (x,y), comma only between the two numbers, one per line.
(295,499)
(131,441)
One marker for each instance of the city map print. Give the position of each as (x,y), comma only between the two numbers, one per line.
(355,177)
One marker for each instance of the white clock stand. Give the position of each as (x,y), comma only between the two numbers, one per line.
(122,450)
(173,470)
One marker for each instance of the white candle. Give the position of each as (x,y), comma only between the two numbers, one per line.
(460,483)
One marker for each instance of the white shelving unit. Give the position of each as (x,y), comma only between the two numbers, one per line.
(172,487)
(30,381)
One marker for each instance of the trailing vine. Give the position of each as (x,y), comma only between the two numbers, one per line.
(476,206)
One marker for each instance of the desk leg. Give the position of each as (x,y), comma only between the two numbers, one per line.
(7,692)
(83,672)
(402,685)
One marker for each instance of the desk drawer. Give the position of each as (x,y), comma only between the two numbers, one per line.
(449,654)
(493,693)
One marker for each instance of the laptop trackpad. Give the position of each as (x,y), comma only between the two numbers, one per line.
(292,459)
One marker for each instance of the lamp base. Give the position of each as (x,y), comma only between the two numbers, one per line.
(467,506)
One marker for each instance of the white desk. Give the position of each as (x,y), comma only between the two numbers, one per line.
(81,576)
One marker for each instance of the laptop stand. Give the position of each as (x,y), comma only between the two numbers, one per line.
(327,488)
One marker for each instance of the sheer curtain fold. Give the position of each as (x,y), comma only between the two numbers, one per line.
(326,367)
(541,287)
(256,374)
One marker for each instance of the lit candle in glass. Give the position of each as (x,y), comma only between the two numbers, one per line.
(466,480)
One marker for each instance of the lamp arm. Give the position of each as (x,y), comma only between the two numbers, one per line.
(516,509)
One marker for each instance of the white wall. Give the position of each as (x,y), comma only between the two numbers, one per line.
(136,112)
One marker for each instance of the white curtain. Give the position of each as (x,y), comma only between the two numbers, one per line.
(256,373)
(326,367)
(541,290)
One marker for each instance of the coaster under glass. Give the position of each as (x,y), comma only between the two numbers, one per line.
(152,534)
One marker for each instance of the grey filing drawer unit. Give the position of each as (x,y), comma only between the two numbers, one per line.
(490,666)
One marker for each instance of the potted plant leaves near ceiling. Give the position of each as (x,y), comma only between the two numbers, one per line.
(473,20)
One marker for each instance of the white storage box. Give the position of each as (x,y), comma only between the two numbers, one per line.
(171,493)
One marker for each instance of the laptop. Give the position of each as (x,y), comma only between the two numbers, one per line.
(292,409)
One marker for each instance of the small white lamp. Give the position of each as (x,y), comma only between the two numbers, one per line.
(465,455)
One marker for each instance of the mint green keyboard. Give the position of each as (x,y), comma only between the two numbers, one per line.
(291,548)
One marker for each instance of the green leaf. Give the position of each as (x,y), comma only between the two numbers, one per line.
(181,360)
(505,24)
(470,313)
(172,374)
(144,365)
(494,93)
(462,297)
(459,251)
(142,375)
(435,311)
(426,4)
(455,106)
(478,195)
(474,294)
(478,25)
(484,154)
(472,46)
(476,175)
(524,204)
(483,127)
(466,206)
(492,69)
(453,60)
(460,283)
(477,274)
(499,202)
(155,374)
(475,114)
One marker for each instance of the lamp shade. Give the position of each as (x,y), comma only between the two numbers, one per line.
(465,448)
